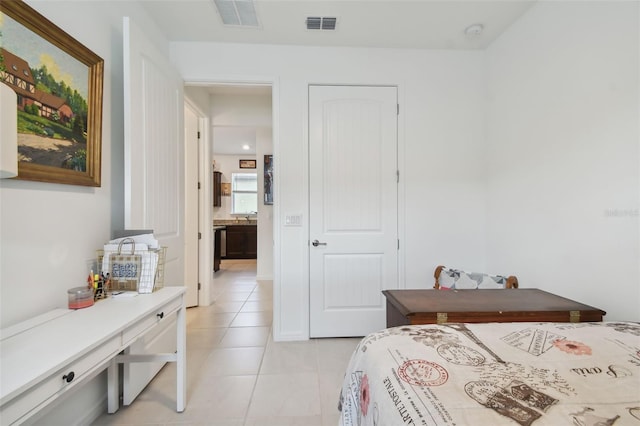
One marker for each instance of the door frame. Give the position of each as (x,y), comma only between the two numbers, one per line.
(394,199)
(204,215)
(206,257)
(401,192)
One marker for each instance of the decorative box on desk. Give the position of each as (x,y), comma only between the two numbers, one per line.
(496,305)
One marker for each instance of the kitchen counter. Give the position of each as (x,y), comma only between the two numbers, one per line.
(243,221)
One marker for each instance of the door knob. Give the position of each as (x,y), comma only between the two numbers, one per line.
(317,243)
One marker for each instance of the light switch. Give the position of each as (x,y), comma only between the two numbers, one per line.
(293,220)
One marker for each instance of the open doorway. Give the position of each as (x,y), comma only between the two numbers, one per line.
(239,143)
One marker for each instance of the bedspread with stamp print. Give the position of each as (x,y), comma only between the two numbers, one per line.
(495,374)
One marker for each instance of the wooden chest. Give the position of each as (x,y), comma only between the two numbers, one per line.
(432,306)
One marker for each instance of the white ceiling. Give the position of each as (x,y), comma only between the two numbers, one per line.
(232,140)
(419,24)
(413,24)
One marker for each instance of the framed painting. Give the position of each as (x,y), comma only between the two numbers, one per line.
(268,179)
(247,164)
(59,86)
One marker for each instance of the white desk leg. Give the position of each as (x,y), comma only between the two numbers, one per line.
(113,402)
(181,358)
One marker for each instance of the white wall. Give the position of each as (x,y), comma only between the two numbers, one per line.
(562,132)
(50,232)
(441,151)
(241,110)
(198,97)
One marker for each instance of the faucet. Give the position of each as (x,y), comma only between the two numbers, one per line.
(248,217)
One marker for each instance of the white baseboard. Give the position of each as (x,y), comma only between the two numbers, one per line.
(264,277)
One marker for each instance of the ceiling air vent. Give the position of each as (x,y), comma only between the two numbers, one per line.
(321,23)
(237,12)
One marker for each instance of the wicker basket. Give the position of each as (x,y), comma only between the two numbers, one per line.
(132,285)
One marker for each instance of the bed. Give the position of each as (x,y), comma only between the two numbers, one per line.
(495,374)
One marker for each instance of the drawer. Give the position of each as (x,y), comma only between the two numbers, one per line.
(53,386)
(150,321)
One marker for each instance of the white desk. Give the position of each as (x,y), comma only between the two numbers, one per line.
(45,357)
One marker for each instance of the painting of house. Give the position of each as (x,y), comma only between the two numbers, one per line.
(521,156)
(17,74)
(57,136)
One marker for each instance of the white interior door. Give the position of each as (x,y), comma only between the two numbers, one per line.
(352,207)
(191,256)
(154,175)
(154,147)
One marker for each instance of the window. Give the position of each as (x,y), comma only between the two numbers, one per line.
(244,193)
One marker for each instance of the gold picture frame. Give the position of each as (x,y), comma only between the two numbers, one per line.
(59,83)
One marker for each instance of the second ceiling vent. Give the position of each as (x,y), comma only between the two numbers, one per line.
(321,23)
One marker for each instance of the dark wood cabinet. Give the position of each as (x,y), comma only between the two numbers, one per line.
(217,189)
(242,242)
(217,249)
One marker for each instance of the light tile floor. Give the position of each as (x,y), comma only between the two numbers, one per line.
(237,375)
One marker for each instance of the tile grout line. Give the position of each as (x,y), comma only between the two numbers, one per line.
(255,383)
(264,351)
